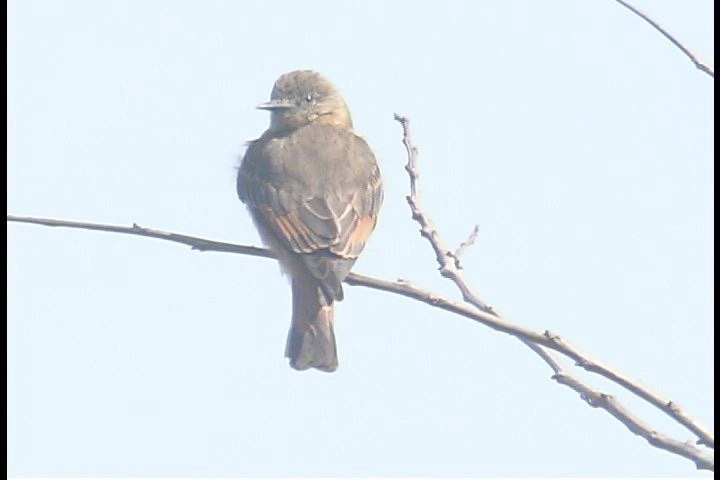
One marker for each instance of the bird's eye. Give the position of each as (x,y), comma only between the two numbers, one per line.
(309,98)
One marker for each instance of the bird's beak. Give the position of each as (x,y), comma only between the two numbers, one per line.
(275,105)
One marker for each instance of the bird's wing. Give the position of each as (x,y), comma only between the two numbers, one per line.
(328,227)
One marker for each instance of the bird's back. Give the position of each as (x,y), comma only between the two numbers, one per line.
(313,159)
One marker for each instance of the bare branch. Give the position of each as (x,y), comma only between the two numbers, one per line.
(705,436)
(403,288)
(449,268)
(698,64)
(611,405)
(467,243)
(196,243)
(607,402)
(406,289)
(448,263)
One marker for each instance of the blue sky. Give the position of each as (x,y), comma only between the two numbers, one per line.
(575,136)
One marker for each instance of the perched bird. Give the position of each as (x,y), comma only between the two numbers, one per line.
(313,189)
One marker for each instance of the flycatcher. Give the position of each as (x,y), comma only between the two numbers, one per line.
(313,189)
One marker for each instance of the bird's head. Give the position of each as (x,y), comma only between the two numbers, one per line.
(303,97)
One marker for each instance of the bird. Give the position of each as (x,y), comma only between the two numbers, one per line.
(313,189)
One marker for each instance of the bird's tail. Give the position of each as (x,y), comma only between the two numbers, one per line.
(311,340)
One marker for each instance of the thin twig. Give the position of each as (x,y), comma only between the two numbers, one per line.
(693,58)
(444,257)
(449,268)
(467,243)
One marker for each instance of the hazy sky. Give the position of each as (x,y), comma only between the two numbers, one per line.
(575,136)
